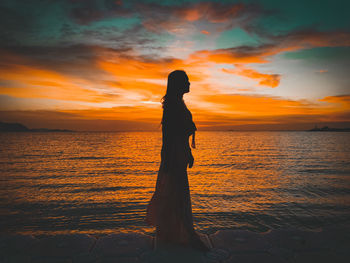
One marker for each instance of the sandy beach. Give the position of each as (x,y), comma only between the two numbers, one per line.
(284,245)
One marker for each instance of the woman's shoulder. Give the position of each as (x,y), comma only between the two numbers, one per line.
(175,107)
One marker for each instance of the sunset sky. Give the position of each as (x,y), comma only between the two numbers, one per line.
(103,65)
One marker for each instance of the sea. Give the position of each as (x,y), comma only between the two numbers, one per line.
(101,182)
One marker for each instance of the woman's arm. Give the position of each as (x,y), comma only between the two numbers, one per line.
(193,144)
(191,160)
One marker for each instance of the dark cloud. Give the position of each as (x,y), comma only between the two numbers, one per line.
(63,58)
(59,23)
(85,12)
(77,60)
(17,23)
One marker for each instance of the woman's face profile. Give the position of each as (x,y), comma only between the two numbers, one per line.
(186,84)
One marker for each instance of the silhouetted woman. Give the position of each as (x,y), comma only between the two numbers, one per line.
(170,207)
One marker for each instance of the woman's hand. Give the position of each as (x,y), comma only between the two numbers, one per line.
(191,160)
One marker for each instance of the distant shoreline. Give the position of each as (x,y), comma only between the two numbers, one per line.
(328,129)
(18,127)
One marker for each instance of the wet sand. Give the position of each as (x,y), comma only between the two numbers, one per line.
(284,245)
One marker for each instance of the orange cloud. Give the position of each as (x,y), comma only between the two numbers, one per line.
(127,80)
(343,100)
(270,80)
(191,14)
(205,32)
(21,78)
(236,104)
(33,82)
(129,69)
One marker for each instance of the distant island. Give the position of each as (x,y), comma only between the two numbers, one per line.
(326,128)
(17,127)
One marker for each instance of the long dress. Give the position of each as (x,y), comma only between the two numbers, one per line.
(169,209)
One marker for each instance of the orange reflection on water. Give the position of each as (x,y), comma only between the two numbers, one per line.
(102,182)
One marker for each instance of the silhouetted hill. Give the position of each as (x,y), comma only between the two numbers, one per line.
(17,127)
(9,127)
(326,128)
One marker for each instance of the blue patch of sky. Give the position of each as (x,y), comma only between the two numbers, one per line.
(322,53)
(322,15)
(236,37)
(122,23)
(34,23)
(50,22)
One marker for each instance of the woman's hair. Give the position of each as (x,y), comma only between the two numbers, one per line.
(174,91)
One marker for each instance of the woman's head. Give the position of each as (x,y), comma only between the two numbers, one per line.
(178,84)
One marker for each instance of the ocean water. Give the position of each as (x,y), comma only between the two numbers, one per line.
(100,183)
